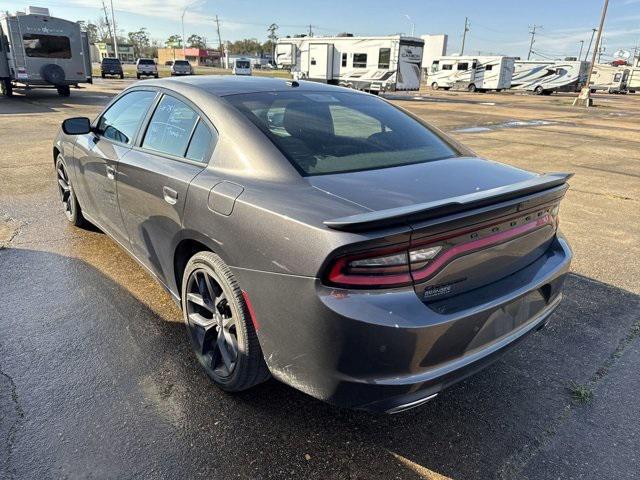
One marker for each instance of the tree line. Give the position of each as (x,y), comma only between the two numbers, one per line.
(144,46)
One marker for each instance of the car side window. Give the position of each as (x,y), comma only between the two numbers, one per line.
(121,121)
(171,127)
(200,143)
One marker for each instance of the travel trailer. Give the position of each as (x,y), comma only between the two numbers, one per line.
(37,50)
(633,84)
(471,73)
(546,77)
(372,64)
(609,78)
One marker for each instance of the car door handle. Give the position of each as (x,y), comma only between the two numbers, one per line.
(170,195)
(111,173)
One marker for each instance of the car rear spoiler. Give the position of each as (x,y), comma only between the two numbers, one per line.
(448,206)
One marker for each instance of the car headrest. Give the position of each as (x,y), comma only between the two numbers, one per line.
(304,120)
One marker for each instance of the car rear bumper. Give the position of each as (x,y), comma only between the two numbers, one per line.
(386,351)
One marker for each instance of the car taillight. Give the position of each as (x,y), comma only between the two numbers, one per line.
(380,268)
(400,266)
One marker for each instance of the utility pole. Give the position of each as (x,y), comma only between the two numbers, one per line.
(221,47)
(464,34)
(581,46)
(106,19)
(585,96)
(310,31)
(115,31)
(593,31)
(533,36)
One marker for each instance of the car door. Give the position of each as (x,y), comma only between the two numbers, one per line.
(98,154)
(154,177)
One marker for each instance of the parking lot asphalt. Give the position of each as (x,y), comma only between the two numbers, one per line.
(97,379)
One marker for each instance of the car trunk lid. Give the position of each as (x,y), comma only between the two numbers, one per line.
(498,220)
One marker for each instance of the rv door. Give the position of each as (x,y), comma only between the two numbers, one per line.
(320,61)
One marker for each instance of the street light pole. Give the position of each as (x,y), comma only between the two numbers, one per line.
(581,46)
(586,55)
(585,96)
(183,46)
(413,26)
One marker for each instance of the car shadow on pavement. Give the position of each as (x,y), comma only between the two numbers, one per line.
(100,380)
(40,100)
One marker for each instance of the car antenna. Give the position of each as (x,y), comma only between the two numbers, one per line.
(293,83)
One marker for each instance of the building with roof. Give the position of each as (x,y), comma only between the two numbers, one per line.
(195,56)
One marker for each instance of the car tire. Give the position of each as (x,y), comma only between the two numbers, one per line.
(156,75)
(103,75)
(7,87)
(472,88)
(122,76)
(72,209)
(434,86)
(219,324)
(138,76)
(63,90)
(538,90)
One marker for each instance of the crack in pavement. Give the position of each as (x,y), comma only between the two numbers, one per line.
(14,414)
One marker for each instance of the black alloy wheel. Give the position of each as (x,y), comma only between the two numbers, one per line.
(67,196)
(219,325)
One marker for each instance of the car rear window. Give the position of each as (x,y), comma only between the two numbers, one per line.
(146,62)
(323,133)
(111,61)
(181,62)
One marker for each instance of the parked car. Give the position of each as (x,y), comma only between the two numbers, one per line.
(146,67)
(318,234)
(111,66)
(181,67)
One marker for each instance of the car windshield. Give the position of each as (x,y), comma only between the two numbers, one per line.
(323,133)
(146,62)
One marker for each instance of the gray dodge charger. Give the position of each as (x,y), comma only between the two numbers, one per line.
(318,235)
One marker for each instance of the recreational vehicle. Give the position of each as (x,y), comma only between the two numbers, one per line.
(609,78)
(37,50)
(471,73)
(634,77)
(546,77)
(373,64)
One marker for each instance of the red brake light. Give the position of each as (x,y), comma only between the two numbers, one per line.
(400,266)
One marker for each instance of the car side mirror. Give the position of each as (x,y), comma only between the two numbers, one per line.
(76,126)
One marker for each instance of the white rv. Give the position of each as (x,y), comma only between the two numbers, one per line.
(546,77)
(634,77)
(471,73)
(609,78)
(373,64)
(37,50)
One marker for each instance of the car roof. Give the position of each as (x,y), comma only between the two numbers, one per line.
(223,85)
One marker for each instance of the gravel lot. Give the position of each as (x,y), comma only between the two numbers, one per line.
(97,379)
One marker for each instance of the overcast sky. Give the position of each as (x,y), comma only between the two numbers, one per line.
(498,26)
